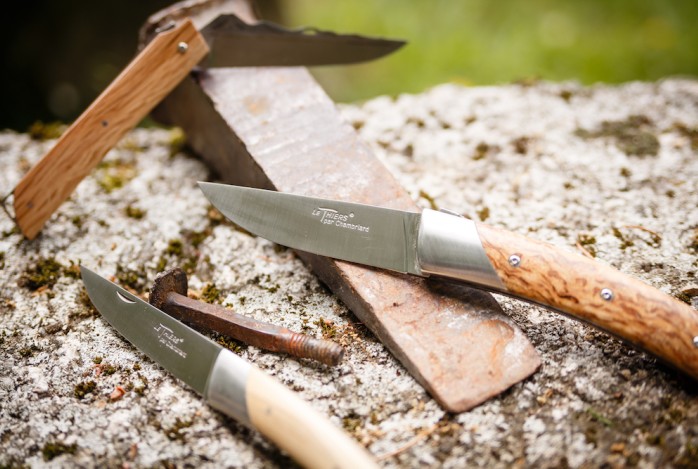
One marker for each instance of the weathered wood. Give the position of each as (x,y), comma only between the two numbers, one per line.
(569,282)
(275,128)
(128,99)
(309,437)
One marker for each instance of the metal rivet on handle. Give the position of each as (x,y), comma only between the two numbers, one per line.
(182,47)
(607,294)
(514,260)
(695,341)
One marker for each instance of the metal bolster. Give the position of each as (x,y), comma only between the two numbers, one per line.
(227,384)
(449,245)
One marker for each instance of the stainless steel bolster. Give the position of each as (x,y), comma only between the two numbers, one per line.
(226,387)
(449,245)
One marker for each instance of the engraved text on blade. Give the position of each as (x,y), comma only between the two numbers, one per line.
(167,337)
(330,216)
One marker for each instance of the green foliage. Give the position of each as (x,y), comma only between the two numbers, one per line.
(483,42)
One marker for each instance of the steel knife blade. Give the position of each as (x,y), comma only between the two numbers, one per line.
(229,383)
(235,43)
(168,58)
(447,245)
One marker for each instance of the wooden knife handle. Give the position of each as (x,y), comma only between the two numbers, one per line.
(252,397)
(155,71)
(595,293)
(294,426)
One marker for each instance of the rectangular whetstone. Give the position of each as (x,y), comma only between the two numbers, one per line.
(276,128)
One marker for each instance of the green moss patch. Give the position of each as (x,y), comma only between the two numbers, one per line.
(327,328)
(177,141)
(46,131)
(174,432)
(84,388)
(588,242)
(130,278)
(230,343)
(633,136)
(113,175)
(43,273)
(134,212)
(51,451)
(624,241)
(210,294)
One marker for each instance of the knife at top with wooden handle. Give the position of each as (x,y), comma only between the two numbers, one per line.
(227,41)
(448,245)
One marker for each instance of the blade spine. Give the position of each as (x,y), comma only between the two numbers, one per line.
(267,28)
(220,57)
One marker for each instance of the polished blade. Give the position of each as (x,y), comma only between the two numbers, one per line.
(368,235)
(235,43)
(182,351)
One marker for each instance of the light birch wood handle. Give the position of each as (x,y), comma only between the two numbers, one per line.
(294,426)
(595,293)
(131,96)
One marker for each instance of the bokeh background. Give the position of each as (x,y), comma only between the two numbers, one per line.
(57,56)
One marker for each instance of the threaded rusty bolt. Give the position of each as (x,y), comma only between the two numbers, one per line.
(169,294)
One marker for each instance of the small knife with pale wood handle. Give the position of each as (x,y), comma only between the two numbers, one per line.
(447,245)
(229,383)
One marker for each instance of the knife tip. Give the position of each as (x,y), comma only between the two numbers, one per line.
(205,186)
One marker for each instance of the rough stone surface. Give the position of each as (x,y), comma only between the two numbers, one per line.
(612,170)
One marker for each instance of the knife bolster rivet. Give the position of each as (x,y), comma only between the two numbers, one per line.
(607,294)
(514,260)
(695,341)
(182,47)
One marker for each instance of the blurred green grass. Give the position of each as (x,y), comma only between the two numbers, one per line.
(56,57)
(482,42)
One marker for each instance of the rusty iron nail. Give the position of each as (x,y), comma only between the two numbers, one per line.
(169,294)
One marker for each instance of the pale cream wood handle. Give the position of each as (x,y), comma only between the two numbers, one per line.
(310,438)
(131,96)
(595,293)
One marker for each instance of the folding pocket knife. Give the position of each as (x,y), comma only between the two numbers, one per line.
(447,245)
(175,50)
(229,383)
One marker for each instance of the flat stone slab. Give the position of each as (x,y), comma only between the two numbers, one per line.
(612,170)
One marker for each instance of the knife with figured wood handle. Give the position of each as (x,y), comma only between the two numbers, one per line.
(448,245)
(227,41)
(229,383)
